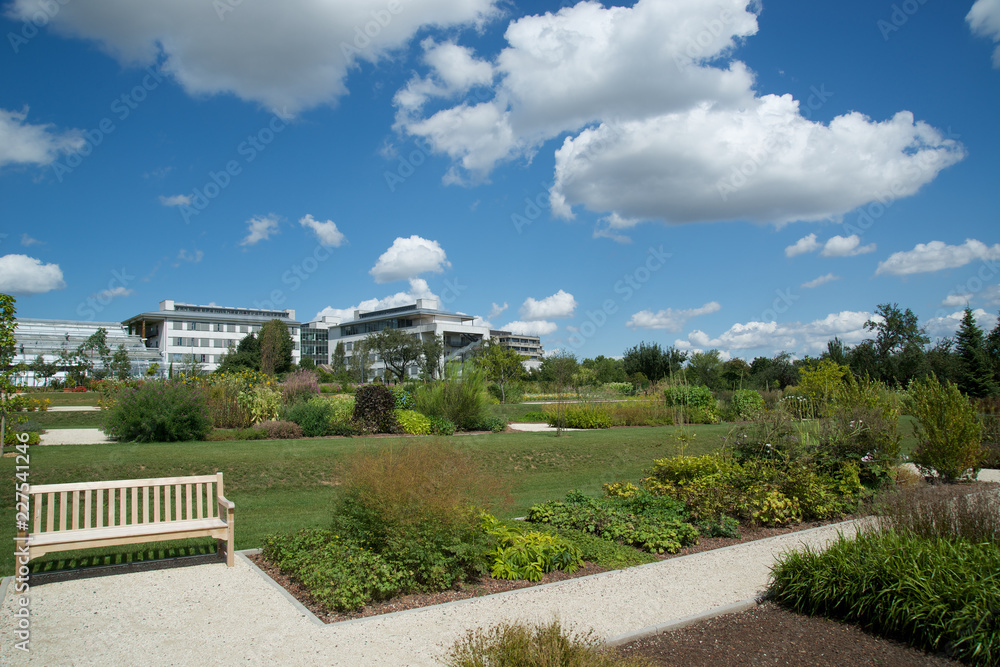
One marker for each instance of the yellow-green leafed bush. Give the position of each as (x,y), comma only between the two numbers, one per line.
(681,469)
(413,423)
(578,416)
(341,409)
(620,490)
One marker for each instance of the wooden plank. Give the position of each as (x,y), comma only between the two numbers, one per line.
(111,508)
(122,483)
(37,499)
(166,503)
(187,497)
(100,508)
(62,510)
(145,504)
(50,511)
(178,506)
(199,490)
(76,510)
(135,504)
(156,504)
(86,508)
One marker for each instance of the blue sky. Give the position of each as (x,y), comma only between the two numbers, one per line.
(748,177)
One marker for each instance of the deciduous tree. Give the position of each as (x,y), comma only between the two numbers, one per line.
(501,365)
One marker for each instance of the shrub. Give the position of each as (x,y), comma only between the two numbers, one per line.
(648,522)
(441,426)
(403,396)
(577,416)
(313,416)
(259,403)
(280,430)
(10,437)
(746,404)
(989,415)
(723,526)
(338,573)
(520,554)
(948,430)
(418,506)
(621,388)
(639,413)
(521,644)
(462,400)
(862,429)
(413,422)
(941,595)
(373,409)
(513,392)
(158,411)
(534,416)
(492,424)
(235,434)
(300,386)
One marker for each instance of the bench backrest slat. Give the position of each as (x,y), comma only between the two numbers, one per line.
(50,512)
(76,510)
(86,508)
(124,483)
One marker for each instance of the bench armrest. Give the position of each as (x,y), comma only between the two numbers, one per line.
(228,504)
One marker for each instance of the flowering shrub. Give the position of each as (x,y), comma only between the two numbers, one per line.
(240,399)
(159,411)
(41,405)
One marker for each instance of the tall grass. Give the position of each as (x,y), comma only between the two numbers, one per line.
(934,513)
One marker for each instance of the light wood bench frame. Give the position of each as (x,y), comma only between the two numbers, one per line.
(136,511)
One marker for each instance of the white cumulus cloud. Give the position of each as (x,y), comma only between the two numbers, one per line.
(561,304)
(803,245)
(496,309)
(326,232)
(947,325)
(984,20)
(286,55)
(822,280)
(937,255)
(260,228)
(530,327)
(418,290)
(956,300)
(771,337)
(114,293)
(176,200)
(669,319)
(23,275)
(845,246)
(408,258)
(24,143)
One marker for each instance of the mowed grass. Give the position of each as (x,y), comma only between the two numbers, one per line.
(75,419)
(67,397)
(281,486)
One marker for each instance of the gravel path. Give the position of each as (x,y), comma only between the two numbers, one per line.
(233,616)
(73,436)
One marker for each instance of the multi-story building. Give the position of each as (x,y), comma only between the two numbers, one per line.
(50,339)
(185,333)
(315,338)
(529,346)
(422,319)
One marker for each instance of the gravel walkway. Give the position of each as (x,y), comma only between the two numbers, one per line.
(212,614)
(73,436)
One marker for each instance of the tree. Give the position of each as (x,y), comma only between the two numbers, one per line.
(898,344)
(121,365)
(992,348)
(397,350)
(735,373)
(307,363)
(43,370)
(361,361)
(338,363)
(97,344)
(606,369)
(432,350)
(246,356)
(705,368)
(974,374)
(652,361)
(8,343)
(560,367)
(500,364)
(836,352)
(777,372)
(275,347)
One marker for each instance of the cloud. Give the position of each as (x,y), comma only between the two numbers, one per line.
(27,240)
(454,70)
(108,294)
(937,255)
(286,56)
(418,290)
(984,21)
(530,327)
(669,319)
(771,337)
(822,280)
(176,200)
(408,258)
(694,143)
(23,143)
(956,300)
(845,246)
(802,246)
(326,232)
(560,304)
(947,325)
(186,256)
(991,295)
(495,310)
(20,274)
(606,226)
(260,228)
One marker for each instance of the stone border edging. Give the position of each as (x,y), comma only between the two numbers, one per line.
(670,626)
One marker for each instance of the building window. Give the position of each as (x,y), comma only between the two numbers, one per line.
(217,327)
(243,328)
(231,328)
(177,326)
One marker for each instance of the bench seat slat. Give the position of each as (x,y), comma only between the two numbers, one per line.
(72,536)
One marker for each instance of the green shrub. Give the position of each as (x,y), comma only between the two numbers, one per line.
(10,437)
(313,416)
(521,554)
(404,397)
(280,430)
(341,411)
(374,406)
(463,400)
(338,573)
(513,392)
(510,644)
(639,413)
(442,426)
(418,506)
(578,416)
(948,431)
(746,404)
(604,553)
(862,429)
(492,424)
(989,416)
(621,388)
(648,522)
(413,422)
(723,526)
(158,411)
(534,416)
(940,595)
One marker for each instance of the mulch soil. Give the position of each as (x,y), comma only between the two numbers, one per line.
(765,635)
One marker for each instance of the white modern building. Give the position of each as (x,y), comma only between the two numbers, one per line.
(422,319)
(183,333)
(50,339)
(529,346)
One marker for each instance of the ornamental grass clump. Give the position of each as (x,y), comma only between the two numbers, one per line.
(300,386)
(158,411)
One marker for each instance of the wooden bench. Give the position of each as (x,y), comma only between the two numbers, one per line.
(129,511)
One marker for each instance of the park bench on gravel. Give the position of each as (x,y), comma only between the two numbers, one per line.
(130,511)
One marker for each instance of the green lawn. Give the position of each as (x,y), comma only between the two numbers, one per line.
(281,486)
(66,397)
(47,420)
